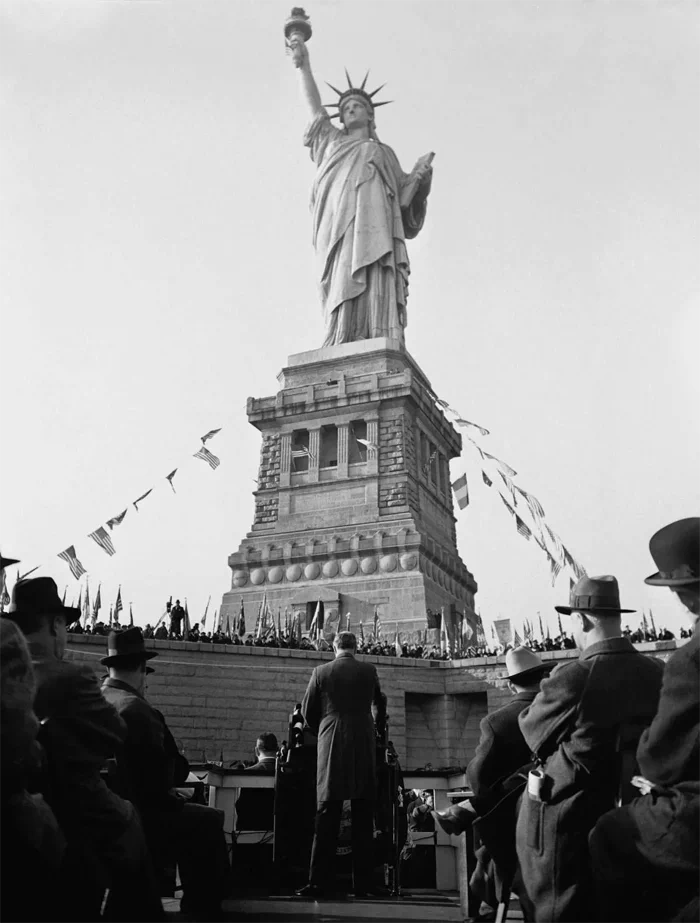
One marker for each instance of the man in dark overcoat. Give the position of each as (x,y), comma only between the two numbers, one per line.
(79,732)
(646,854)
(337,706)
(255,807)
(572,729)
(150,766)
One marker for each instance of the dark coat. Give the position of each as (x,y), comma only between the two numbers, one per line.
(572,727)
(149,761)
(81,731)
(255,807)
(655,838)
(337,706)
(502,748)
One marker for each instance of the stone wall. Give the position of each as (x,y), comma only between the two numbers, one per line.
(220,697)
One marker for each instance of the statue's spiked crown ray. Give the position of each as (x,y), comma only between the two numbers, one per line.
(355,91)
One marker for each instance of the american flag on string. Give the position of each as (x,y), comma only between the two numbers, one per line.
(208,457)
(507,505)
(102,537)
(169,479)
(522,528)
(532,502)
(509,487)
(69,556)
(142,497)
(573,564)
(210,434)
(461,491)
(487,479)
(460,421)
(116,520)
(556,541)
(442,403)
(501,465)
(555,567)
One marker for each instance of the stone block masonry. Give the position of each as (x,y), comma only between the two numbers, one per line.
(220,697)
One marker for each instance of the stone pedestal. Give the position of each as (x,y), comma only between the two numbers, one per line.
(354,505)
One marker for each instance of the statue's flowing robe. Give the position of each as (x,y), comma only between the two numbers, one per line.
(359,234)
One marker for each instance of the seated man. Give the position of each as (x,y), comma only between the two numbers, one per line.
(31,841)
(255,807)
(502,749)
(645,854)
(572,728)
(80,731)
(150,766)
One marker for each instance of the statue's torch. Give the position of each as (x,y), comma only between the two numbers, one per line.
(297,29)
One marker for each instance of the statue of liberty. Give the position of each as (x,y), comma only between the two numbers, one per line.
(364,208)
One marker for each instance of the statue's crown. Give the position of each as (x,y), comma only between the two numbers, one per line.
(355,91)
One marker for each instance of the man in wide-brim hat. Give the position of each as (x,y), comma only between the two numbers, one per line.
(151,765)
(501,752)
(572,729)
(80,731)
(646,855)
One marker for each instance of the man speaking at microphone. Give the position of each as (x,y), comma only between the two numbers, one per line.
(337,706)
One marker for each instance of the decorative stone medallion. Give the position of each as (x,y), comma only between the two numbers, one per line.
(275,574)
(311,571)
(257,576)
(349,567)
(368,565)
(293,572)
(387,562)
(330,569)
(409,560)
(240,578)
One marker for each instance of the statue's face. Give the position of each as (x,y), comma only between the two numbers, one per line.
(355,113)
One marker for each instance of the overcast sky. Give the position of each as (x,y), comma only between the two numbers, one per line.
(157,269)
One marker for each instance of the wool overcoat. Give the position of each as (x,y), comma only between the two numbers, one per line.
(572,726)
(502,748)
(655,839)
(337,706)
(149,761)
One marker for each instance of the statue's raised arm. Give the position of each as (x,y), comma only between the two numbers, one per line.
(363,206)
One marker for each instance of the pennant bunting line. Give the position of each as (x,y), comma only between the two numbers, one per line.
(208,457)
(101,536)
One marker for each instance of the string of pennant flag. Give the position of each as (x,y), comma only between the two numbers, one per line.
(103,538)
(513,497)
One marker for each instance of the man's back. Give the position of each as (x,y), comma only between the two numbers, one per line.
(502,749)
(338,707)
(574,721)
(81,731)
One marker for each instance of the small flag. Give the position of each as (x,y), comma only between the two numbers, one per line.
(376,623)
(653,626)
(517,640)
(187,626)
(541,628)
(477,447)
(555,567)
(442,403)
(169,479)
(487,479)
(561,630)
(69,556)
(397,642)
(80,600)
(118,605)
(86,601)
(208,457)
(509,487)
(461,491)
(206,609)
(362,633)
(102,537)
(466,423)
(131,616)
(210,434)
(556,541)
(116,520)
(522,528)
(241,620)
(502,465)
(97,605)
(142,497)
(111,617)
(573,564)
(532,502)
(507,505)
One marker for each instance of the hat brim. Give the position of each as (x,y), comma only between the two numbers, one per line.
(658,580)
(567,610)
(115,659)
(533,671)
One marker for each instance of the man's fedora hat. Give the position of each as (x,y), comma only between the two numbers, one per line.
(676,552)
(39,596)
(522,663)
(594,594)
(126,645)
